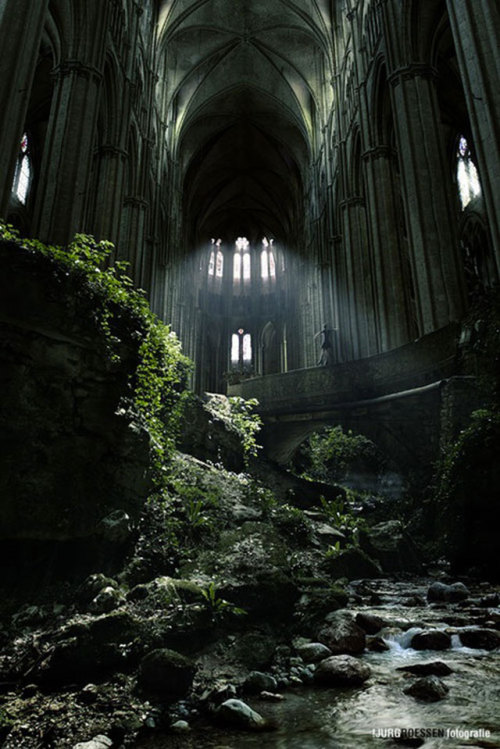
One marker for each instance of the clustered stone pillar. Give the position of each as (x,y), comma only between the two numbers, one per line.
(21,27)
(476,31)
(67,159)
(390,301)
(109,202)
(431,218)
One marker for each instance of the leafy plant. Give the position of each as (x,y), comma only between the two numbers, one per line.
(219,606)
(123,316)
(239,415)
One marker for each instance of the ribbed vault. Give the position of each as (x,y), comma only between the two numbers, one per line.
(244,93)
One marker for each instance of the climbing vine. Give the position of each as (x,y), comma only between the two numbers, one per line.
(123,316)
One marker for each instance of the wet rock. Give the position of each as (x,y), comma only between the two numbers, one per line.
(377,644)
(257,682)
(482,638)
(116,528)
(341,671)
(441,592)
(392,546)
(316,602)
(238,713)
(313,652)
(413,600)
(434,639)
(490,600)
(271,697)
(341,634)
(180,726)
(106,600)
(98,742)
(370,623)
(432,668)
(88,694)
(428,689)
(166,672)
(352,564)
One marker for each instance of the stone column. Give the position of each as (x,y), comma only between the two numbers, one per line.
(431,215)
(390,300)
(109,198)
(21,27)
(476,32)
(131,244)
(66,166)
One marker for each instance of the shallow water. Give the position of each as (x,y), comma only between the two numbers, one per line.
(314,718)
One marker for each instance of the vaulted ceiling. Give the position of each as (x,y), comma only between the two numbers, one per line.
(244,91)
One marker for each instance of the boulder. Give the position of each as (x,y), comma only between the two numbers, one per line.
(98,742)
(257,682)
(341,671)
(116,528)
(392,546)
(352,564)
(441,592)
(433,639)
(428,689)
(238,713)
(313,652)
(341,634)
(370,623)
(376,644)
(432,668)
(481,637)
(106,600)
(166,672)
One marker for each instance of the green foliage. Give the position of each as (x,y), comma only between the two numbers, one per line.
(293,522)
(340,516)
(218,607)
(483,327)
(123,315)
(239,415)
(328,455)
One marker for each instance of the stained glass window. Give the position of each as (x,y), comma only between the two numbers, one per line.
(211,264)
(469,186)
(23,173)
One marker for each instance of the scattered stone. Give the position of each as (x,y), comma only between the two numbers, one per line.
(341,671)
(271,697)
(93,585)
(166,672)
(441,592)
(106,601)
(413,601)
(490,600)
(313,652)
(98,742)
(392,546)
(435,668)
(342,634)
(238,713)
(371,623)
(88,694)
(481,638)
(257,681)
(434,639)
(428,689)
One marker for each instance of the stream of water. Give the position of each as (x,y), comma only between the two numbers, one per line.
(379,714)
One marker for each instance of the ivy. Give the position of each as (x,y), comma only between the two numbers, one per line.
(158,385)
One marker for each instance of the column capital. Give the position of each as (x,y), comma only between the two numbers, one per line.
(136,201)
(378,152)
(411,71)
(354,200)
(77,68)
(108,149)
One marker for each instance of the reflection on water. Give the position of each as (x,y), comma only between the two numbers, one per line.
(312,718)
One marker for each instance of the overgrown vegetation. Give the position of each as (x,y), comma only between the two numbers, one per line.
(123,315)
(483,343)
(239,415)
(330,454)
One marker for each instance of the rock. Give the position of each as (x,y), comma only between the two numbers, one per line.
(376,644)
(106,601)
(88,694)
(93,585)
(341,671)
(428,689)
(370,623)
(432,668)
(413,600)
(115,528)
(98,742)
(342,634)
(447,593)
(434,639)
(239,714)
(490,600)
(271,697)
(313,652)
(257,682)
(316,602)
(180,726)
(391,546)
(482,638)
(166,672)
(352,564)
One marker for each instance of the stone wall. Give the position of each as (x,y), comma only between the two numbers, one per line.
(67,459)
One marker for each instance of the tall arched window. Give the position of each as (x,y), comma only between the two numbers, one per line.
(216,262)
(469,186)
(23,174)
(267,260)
(242,262)
(241,350)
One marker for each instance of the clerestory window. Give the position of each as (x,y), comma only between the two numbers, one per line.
(469,186)
(241,349)
(267,260)
(23,174)
(242,264)
(216,260)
